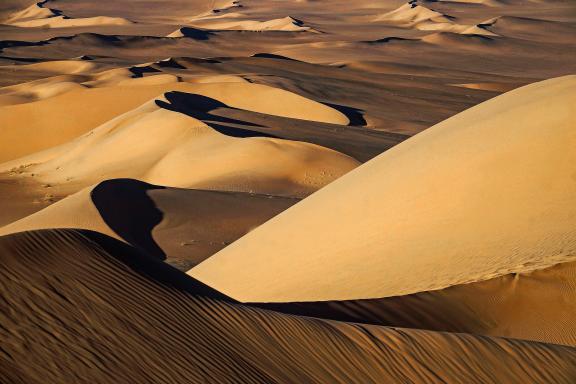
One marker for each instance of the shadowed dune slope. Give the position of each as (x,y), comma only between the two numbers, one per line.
(538,305)
(485,193)
(98,312)
(186,226)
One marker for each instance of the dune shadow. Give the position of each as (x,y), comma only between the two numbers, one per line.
(201,107)
(274,56)
(195,33)
(355,115)
(141,71)
(126,208)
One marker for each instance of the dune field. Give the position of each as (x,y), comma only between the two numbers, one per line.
(287,191)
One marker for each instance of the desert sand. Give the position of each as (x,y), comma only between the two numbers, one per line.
(287,191)
(410,228)
(118,316)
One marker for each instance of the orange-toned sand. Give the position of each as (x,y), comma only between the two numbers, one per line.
(314,167)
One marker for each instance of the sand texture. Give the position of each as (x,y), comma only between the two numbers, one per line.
(294,191)
(107,313)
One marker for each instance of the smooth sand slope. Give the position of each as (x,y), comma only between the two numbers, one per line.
(168,146)
(180,225)
(98,312)
(484,194)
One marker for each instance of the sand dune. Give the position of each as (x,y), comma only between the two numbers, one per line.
(57,67)
(184,226)
(38,16)
(63,106)
(167,143)
(414,15)
(100,312)
(286,24)
(33,12)
(411,225)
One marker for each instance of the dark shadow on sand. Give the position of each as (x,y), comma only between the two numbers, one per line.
(126,208)
(355,115)
(200,107)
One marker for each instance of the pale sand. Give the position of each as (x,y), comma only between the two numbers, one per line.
(485,193)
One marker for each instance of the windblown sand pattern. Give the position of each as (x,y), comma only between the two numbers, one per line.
(106,313)
(291,191)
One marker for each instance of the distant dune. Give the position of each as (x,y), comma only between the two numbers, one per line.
(286,24)
(38,16)
(414,15)
(56,100)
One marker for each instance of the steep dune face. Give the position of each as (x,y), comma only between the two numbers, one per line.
(170,147)
(184,226)
(485,193)
(99,312)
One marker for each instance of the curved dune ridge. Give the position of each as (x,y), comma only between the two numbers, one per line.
(171,147)
(414,15)
(185,226)
(28,127)
(38,16)
(99,312)
(286,24)
(399,225)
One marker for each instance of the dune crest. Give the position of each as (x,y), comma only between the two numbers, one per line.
(38,16)
(285,24)
(414,15)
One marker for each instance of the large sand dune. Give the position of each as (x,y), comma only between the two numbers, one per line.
(462,202)
(99,312)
